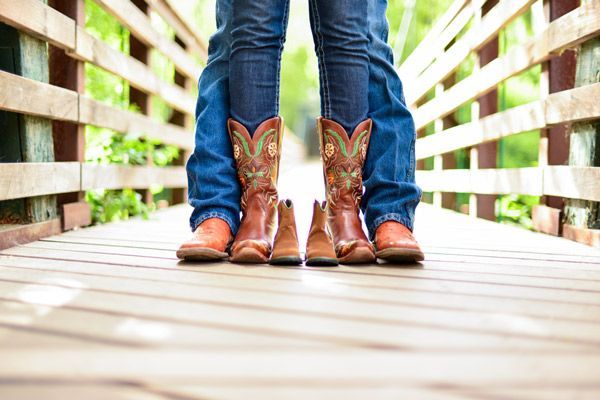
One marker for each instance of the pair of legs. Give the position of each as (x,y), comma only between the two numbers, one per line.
(340,35)
(388,174)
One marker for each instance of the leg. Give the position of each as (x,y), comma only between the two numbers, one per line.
(389,173)
(258,36)
(341,43)
(212,179)
(255,129)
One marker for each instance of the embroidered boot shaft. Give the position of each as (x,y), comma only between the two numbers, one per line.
(343,160)
(257,162)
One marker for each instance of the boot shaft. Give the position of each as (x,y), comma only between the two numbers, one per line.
(343,160)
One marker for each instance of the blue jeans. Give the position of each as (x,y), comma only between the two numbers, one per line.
(340,35)
(389,173)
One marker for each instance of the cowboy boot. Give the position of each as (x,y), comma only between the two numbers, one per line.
(343,160)
(285,246)
(395,243)
(257,163)
(209,242)
(319,246)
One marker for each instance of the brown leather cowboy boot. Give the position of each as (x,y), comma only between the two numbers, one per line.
(394,242)
(319,246)
(210,241)
(343,160)
(257,162)
(285,246)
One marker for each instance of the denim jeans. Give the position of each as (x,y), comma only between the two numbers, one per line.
(340,35)
(390,190)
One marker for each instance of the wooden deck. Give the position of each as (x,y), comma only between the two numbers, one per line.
(108,312)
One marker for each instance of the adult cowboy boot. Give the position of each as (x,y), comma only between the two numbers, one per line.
(319,246)
(395,243)
(343,160)
(257,163)
(285,245)
(209,242)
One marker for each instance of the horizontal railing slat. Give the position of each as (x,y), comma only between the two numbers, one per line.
(498,17)
(140,26)
(83,46)
(567,31)
(27,96)
(187,34)
(562,107)
(18,180)
(563,181)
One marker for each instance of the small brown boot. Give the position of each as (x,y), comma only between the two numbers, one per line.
(257,162)
(209,243)
(285,246)
(343,160)
(319,247)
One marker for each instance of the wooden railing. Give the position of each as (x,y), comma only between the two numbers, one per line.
(470,28)
(56,97)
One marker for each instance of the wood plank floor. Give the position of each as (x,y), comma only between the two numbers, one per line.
(495,312)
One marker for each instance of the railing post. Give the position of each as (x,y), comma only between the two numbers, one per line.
(488,105)
(558,74)
(26,138)
(141,52)
(69,137)
(582,218)
(185,120)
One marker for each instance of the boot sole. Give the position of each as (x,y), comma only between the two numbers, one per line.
(201,254)
(249,256)
(322,262)
(399,255)
(290,260)
(361,255)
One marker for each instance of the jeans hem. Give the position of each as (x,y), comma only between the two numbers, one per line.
(403,219)
(214,214)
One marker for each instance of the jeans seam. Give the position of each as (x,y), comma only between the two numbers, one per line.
(281,42)
(213,214)
(321,52)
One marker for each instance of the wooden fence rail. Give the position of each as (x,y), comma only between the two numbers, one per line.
(60,24)
(471,29)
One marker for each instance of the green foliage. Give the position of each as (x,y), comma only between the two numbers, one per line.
(516,210)
(116,205)
(104,146)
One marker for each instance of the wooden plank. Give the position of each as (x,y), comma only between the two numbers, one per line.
(13,235)
(23,95)
(184,19)
(565,32)
(39,20)
(351,326)
(138,23)
(38,179)
(546,219)
(75,215)
(119,176)
(572,182)
(590,237)
(139,75)
(190,37)
(500,16)
(485,181)
(562,107)
(423,55)
(493,127)
(96,113)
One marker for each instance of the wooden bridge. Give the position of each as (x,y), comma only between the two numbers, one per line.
(495,311)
